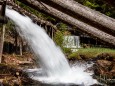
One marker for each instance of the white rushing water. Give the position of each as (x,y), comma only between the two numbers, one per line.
(54,65)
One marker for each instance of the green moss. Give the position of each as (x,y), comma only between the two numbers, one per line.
(91,52)
(67,51)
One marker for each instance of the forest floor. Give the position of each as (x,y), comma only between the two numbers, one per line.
(11,69)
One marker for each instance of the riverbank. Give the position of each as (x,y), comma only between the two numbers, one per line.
(104,62)
(13,65)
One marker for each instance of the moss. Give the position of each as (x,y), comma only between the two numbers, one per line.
(87,53)
(67,51)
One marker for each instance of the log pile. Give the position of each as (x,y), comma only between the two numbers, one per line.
(90,30)
(84,14)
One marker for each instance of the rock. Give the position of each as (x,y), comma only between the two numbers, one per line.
(104,63)
(103,67)
(105,70)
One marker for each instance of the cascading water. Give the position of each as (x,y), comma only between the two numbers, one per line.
(54,66)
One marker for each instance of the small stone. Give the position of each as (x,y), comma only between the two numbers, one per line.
(17,73)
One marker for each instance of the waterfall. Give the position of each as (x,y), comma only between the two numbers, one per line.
(54,65)
(72,42)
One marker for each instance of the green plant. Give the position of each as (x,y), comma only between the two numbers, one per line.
(67,51)
(58,38)
(91,5)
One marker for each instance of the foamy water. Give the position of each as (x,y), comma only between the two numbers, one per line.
(54,65)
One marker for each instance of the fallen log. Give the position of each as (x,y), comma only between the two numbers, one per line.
(84,14)
(109,39)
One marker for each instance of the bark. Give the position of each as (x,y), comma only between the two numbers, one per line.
(83,13)
(68,19)
(32,16)
(2,42)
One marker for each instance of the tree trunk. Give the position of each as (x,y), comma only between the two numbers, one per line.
(70,20)
(2,42)
(84,14)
